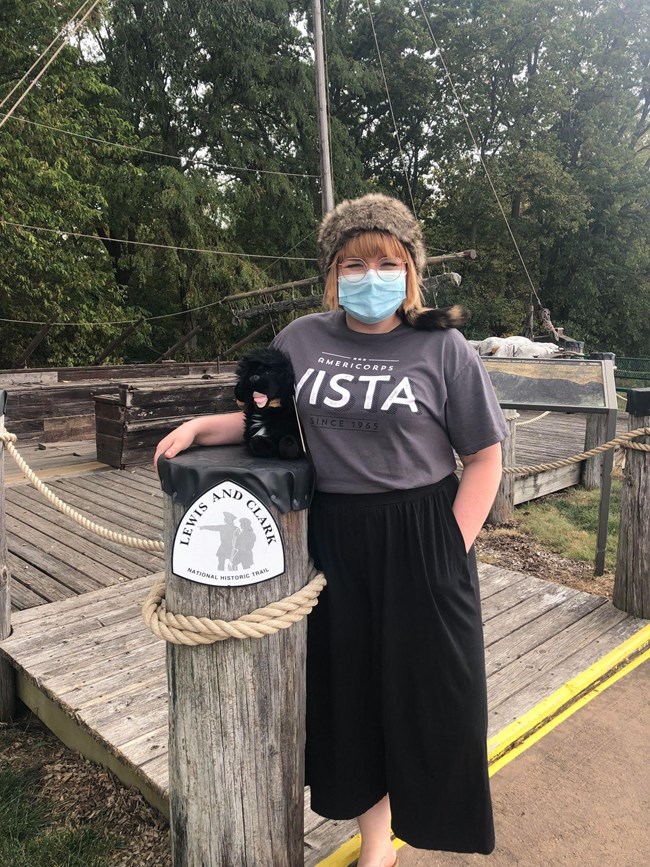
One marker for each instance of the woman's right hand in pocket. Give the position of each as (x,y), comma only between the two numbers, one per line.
(176,441)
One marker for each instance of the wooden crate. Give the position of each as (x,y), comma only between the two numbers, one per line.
(130,423)
(57,404)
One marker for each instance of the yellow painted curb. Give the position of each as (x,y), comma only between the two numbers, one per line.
(567,699)
(515,738)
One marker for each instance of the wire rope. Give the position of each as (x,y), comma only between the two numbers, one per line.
(59,35)
(163,315)
(75,234)
(478,149)
(397,135)
(390,107)
(197,160)
(38,76)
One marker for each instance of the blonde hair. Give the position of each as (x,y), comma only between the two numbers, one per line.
(369,245)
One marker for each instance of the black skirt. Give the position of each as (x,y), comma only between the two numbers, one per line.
(396,691)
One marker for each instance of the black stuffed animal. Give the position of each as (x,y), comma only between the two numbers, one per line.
(264,390)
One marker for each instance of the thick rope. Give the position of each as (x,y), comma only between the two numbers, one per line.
(531,420)
(623,441)
(158,545)
(189,630)
(132,541)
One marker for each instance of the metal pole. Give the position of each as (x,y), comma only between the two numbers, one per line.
(327,193)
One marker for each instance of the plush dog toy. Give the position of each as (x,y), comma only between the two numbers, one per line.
(264,390)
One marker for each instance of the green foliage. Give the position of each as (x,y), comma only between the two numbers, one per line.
(557,97)
(569,524)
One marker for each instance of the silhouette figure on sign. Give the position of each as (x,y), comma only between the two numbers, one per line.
(227,532)
(244,542)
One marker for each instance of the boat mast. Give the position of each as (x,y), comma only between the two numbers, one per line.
(327,193)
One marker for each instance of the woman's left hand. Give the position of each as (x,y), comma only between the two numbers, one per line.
(478,487)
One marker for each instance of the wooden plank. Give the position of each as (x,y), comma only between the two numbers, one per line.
(523,613)
(515,673)
(42,665)
(547,482)
(118,515)
(31,376)
(327,838)
(98,499)
(542,629)
(16,477)
(148,746)
(22,597)
(511,595)
(156,770)
(96,687)
(111,521)
(78,738)
(126,718)
(106,556)
(493,579)
(85,605)
(148,504)
(43,587)
(520,701)
(76,624)
(39,551)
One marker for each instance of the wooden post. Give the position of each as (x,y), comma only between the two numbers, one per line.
(503,510)
(595,435)
(632,578)
(7,676)
(236,713)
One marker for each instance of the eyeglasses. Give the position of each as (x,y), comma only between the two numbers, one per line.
(388,269)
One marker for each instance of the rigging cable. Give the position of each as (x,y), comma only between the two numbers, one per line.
(75,234)
(390,106)
(163,315)
(478,149)
(397,135)
(197,160)
(59,35)
(49,62)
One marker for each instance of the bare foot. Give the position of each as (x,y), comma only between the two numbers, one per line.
(386,857)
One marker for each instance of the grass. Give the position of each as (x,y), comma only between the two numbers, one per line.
(33,834)
(568,523)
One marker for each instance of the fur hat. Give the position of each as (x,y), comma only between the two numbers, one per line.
(372,212)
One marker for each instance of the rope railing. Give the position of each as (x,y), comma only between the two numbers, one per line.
(131,541)
(531,420)
(624,441)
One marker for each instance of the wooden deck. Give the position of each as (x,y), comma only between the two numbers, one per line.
(51,558)
(91,670)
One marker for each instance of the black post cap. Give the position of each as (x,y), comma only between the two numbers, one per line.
(638,401)
(287,485)
(3,401)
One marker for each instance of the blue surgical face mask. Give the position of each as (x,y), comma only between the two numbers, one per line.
(372,299)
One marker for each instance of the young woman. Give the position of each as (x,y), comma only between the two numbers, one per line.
(386,392)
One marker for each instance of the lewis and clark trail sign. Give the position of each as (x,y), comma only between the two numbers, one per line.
(227,538)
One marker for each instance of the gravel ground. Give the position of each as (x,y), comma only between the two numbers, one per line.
(512,548)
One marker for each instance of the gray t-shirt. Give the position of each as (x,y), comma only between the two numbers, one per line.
(384,412)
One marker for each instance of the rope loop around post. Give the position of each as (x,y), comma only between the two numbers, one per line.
(192,631)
